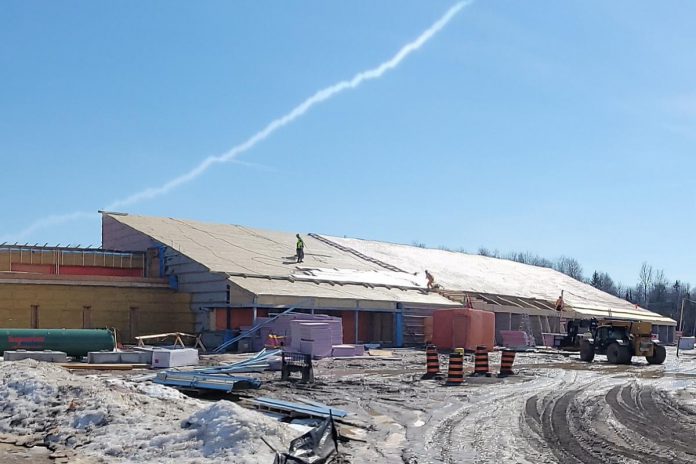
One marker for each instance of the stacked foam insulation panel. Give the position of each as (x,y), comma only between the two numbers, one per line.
(347,350)
(516,339)
(312,338)
(283,326)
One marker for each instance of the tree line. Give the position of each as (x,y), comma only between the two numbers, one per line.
(653,290)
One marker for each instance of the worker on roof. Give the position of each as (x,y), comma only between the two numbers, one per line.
(431,279)
(300,248)
(560,302)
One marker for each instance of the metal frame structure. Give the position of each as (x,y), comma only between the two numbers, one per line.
(55,256)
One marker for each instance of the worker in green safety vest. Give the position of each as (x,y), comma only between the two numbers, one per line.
(300,248)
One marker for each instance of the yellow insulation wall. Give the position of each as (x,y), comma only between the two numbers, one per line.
(132,311)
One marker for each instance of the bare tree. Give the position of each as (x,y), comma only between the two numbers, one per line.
(569,266)
(483,251)
(604,282)
(645,280)
(658,291)
(529,258)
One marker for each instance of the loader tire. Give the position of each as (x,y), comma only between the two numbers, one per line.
(586,351)
(625,355)
(614,353)
(659,355)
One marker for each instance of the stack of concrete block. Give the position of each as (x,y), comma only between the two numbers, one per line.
(118,357)
(45,356)
(163,357)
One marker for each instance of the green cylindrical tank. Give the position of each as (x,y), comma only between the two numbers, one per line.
(73,342)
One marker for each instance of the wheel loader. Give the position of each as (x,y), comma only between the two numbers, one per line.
(620,341)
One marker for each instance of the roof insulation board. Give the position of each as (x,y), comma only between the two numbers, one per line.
(326,272)
(239,249)
(273,287)
(481,274)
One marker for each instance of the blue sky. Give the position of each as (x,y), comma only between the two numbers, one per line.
(553,127)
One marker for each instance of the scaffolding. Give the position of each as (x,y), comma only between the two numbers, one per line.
(45,259)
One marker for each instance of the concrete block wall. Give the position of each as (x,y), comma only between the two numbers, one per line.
(131,311)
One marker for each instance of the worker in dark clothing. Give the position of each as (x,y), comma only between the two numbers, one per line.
(593,324)
(431,280)
(560,302)
(300,248)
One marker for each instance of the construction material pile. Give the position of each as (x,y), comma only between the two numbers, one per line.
(318,335)
(117,420)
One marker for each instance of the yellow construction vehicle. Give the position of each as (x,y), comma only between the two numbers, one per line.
(620,341)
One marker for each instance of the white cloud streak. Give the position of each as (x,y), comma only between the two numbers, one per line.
(43,223)
(319,97)
(298,111)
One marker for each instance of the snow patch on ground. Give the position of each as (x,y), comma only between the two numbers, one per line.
(125,422)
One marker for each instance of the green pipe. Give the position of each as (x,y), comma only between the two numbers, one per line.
(73,342)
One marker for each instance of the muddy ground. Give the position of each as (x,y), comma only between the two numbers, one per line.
(556,409)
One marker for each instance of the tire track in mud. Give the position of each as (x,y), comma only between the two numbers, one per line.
(578,418)
(576,426)
(487,429)
(652,415)
(561,424)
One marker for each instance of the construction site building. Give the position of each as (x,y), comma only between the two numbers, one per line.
(235,274)
(70,287)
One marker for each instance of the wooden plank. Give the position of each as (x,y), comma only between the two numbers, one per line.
(384,353)
(101,367)
(179,334)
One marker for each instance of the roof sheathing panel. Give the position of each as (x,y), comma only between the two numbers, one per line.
(256,253)
(338,291)
(493,276)
(230,248)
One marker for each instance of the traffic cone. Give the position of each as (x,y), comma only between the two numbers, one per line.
(432,362)
(455,371)
(506,361)
(481,362)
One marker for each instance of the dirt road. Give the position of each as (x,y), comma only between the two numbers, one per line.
(556,410)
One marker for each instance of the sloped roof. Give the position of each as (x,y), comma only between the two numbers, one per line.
(263,262)
(481,274)
(339,291)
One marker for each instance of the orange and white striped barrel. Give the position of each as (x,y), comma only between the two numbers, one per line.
(481,362)
(455,371)
(432,362)
(506,361)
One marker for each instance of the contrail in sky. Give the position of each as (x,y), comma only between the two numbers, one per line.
(319,97)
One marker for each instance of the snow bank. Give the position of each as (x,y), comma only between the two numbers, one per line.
(123,422)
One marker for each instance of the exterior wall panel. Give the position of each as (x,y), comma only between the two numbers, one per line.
(62,306)
(117,236)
